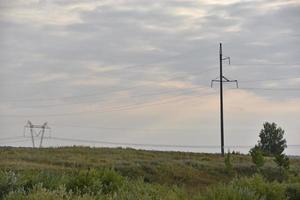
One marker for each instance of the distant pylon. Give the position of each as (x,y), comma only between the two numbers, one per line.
(36,131)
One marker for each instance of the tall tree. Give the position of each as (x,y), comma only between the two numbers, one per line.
(271,139)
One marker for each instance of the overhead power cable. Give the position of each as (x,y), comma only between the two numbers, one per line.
(113,109)
(265,64)
(142,144)
(271,89)
(11,138)
(152,145)
(114,99)
(273,79)
(137,129)
(105,92)
(15,141)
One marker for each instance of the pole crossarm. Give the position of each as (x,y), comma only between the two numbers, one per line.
(227,58)
(225,80)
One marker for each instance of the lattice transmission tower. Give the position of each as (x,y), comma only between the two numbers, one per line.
(37,132)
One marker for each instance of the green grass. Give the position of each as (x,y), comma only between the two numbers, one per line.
(116,173)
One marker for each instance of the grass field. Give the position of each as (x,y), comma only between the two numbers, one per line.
(118,173)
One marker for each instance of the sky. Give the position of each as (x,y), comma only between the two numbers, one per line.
(136,73)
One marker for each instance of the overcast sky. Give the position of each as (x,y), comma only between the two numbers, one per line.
(139,71)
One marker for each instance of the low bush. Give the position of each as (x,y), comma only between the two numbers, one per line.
(266,190)
(132,190)
(41,193)
(95,181)
(228,192)
(228,164)
(247,188)
(292,191)
(106,184)
(8,182)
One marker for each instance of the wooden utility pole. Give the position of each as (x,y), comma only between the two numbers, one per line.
(221,101)
(221,80)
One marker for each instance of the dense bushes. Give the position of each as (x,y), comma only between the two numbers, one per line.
(230,192)
(95,181)
(292,191)
(8,182)
(106,184)
(92,184)
(266,190)
(86,173)
(254,188)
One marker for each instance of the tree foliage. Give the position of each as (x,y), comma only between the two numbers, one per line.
(257,157)
(271,139)
(282,161)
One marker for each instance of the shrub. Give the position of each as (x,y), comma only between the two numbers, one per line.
(79,182)
(228,164)
(138,189)
(257,157)
(8,182)
(229,192)
(110,181)
(267,190)
(271,139)
(292,191)
(41,193)
(247,188)
(48,179)
(282,161)
(95,181)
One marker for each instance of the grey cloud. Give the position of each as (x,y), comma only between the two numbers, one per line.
(151,36)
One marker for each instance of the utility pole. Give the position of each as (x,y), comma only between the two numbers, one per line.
(221,80)
(221,100)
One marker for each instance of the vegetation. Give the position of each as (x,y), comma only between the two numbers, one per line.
(271,139)
(228,164)
(271,143)
(257,157)
(282,161)
(106,174)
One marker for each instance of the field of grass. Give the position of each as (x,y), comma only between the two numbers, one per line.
(118,173)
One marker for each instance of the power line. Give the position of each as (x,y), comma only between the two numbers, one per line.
(137,144)
(113,109)
(142,95)
(136,129)
(114,99)
(265,80)
(11,138)
(102,93)
(144,144)
(271,89)
(16,141)
(152,145)
(265,64)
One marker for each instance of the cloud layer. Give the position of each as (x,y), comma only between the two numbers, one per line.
(147,64)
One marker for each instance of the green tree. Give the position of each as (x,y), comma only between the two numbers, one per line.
(271,139)
(257,157)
